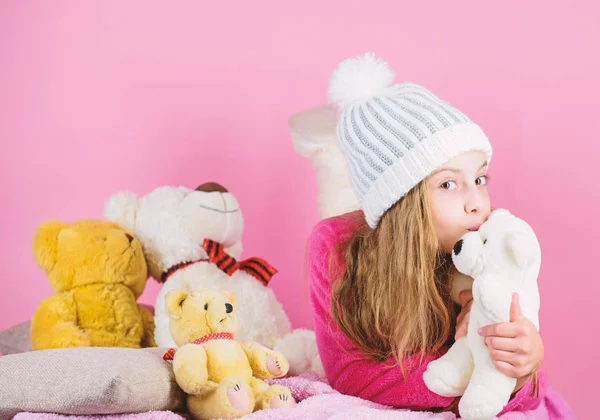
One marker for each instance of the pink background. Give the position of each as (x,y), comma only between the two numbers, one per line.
(97,97)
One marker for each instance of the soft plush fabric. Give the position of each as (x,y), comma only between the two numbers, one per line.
(15,339)
(97,270)
(150,415)
(313,136)
(318,401)
(347,369)
(88,380)
(230,373)
(172,223)
(503,257)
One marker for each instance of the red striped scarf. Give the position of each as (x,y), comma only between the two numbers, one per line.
(256,267)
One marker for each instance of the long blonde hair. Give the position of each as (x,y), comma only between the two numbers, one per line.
(391,297)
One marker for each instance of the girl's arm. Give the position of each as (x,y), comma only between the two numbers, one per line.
(350,373)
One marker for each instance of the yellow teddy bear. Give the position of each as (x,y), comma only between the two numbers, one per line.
(97,270)
(222,377)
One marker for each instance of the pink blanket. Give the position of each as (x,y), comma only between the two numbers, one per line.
(318,401)
(150,415)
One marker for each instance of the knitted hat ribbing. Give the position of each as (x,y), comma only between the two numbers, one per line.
(394,136)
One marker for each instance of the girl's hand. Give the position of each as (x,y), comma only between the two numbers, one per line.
(516,347)
(462,321)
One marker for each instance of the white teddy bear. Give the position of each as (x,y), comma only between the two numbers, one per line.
(172,224)
(502,257)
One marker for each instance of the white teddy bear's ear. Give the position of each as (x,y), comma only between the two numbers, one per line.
(499,212)
(122,208)
(521,247)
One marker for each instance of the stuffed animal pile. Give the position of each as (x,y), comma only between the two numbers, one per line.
(185,234)
(184,239)
(192,239)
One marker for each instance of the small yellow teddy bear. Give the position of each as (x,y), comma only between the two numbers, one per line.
(222,377)
(97,270)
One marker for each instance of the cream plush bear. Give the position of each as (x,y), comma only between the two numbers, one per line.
(502,257)
(313,137)
(172,223)
(223,378)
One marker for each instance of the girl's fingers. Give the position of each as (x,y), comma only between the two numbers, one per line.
(506,368)
(502,343)
(508,357)
(504,329)
(514,371)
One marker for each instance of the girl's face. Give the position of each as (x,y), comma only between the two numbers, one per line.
(459,197)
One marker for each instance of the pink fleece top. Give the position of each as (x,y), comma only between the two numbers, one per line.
(347,369)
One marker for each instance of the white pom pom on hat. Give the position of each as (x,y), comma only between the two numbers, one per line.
(358,78)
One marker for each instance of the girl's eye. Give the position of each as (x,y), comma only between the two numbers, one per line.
(449,185)
(482,180)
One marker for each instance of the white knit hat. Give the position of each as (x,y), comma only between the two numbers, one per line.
(394,136)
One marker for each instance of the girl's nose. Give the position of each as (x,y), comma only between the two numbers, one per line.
(474,202)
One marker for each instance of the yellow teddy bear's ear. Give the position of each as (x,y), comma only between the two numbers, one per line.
(45,243)
(174,301)
(230,296)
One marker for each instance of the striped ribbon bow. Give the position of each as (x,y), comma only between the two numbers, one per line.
(256,267)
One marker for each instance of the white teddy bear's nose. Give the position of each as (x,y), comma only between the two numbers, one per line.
(467,254)
(458,247)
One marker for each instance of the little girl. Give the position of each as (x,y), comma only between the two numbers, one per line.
(380,277)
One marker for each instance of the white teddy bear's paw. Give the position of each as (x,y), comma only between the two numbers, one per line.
(300,349)
(480,403)
(450,374)
(443,378)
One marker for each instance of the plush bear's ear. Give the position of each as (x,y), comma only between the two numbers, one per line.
(230,296)
(122,208)
(174,299)
(522,248)
(499,212)
(45,242)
